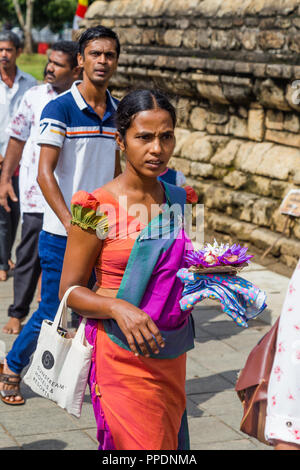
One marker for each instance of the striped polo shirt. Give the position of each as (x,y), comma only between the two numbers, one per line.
(88,146)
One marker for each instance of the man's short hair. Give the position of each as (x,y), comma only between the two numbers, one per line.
(98,32)
(11,37)
(69,48)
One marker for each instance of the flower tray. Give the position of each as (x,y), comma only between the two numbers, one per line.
(229,269)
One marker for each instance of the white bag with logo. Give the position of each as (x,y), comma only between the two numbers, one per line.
(60,366)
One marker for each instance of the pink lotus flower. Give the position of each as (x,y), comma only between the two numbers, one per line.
(218,255)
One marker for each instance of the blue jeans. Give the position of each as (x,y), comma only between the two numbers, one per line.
(51,253)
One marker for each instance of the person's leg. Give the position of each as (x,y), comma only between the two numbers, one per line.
(27,271)
(8,229)
(5,229)
(51,252)
(15,214)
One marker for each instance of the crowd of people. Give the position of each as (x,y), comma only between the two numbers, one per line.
(60,169)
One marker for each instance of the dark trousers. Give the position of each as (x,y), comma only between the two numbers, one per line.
(28,268)
(8,227)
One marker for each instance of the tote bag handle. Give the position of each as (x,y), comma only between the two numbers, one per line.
(62,312)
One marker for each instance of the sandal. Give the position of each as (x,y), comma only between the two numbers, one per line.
(5,395)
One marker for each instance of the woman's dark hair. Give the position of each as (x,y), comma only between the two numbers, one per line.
(141,100)
(98,32)
(69,48)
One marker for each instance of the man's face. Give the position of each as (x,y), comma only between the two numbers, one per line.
(8,54)
(99,60)
(58,71)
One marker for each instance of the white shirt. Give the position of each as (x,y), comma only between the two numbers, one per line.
(283,410)
(25,126)
(10,99)
(88,147)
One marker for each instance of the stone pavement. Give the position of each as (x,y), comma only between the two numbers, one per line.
(214,411)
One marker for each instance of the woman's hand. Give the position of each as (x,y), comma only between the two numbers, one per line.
(137,326)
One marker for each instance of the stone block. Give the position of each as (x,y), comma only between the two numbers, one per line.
(264,238)
(271,95)
(274,70)
(226,156)
(279,189)
(243,203)
(274,120)
(259,185)
(266,159)
(256,125)
(290,247)
(198,118)
(270,40)
(237,127)
(263,210)
(291,123)
(290,261)
(219,173)
(181,164)
(249,40)
(217,197)
(182,136)
(235,179)
(203,39)
(190,39)
(218,116)
(296,228)
(198,148)
(183,111)
(292,95)
(212,92)
(203,170)
(220,222)
(242,230)
(294,43)
(278,221)
(282,137)
(173,37)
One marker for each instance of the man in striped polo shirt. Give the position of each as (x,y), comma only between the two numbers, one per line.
(78,152)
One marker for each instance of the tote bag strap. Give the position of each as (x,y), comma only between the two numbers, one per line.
(62,312)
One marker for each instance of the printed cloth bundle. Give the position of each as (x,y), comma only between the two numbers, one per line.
(211,274)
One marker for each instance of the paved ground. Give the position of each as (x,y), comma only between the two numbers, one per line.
(214,410)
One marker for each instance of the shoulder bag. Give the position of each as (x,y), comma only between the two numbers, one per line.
(252,385)
(60,365)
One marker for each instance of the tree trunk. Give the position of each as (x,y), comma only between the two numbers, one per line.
(27,24)
(28,27)
(19,14)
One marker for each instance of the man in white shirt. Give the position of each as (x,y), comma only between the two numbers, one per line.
(78,151)
(13,84)
(61,71)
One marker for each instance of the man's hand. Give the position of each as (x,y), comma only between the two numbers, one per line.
(7,190)
(1,161)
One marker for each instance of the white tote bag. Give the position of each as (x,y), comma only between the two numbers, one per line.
(60,366)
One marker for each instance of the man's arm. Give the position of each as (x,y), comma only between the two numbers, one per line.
(48,160)
(12,159)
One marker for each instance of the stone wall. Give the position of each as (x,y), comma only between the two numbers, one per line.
(231,68)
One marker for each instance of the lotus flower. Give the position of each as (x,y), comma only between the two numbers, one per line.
(218,255)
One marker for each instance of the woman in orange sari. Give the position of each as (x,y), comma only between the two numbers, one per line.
(131,232)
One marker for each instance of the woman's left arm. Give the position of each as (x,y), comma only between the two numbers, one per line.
(82,250)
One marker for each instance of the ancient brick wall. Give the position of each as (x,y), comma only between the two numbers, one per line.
(231,68)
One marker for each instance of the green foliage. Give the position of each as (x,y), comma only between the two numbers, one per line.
(45,12)
(55,13)
(33,64)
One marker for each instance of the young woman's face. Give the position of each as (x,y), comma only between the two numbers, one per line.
(149,142)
